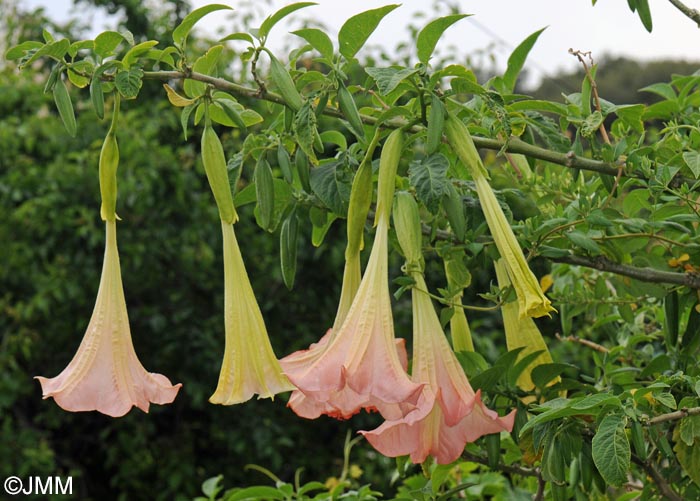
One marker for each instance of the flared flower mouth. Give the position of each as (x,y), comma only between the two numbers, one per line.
(249,366)
(105,375)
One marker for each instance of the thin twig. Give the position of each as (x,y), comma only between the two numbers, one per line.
(658,479)
(584,342)
(692,14)
(594,87)
(673,416)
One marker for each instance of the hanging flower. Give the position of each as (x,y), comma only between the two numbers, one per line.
(105,375)
(249,366)
(359,366)
(521,333)
(449,413)
(531,300)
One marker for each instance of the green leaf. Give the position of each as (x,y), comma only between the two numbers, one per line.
(65,106)
(238,36)
(80,45)
(321,221)
(77,72)
(129,82)
(107,42)
(672,310)
(644,14)
(543,374)
(517,60)
(692,159)
(131,56)
(18,51)
(270,21)
(180,32)
(288,249)
(305,130)
(429,177)
(282,198)
(185,117)
(389,78)
(662,89)
(334,137)
(584,241)
(688,456)
(429,36)
(318,40)
(256,492)
(689,429)
(205,64)
(265,193)
(332,183)
(54,50)
(211,487)
(611,449)
(559,408)
(356,30)
(592,124)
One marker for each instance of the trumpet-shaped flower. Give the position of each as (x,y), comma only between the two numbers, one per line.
(449,413)
(531,300)
(358,364)
(521,333)
(249,366)
(105,375)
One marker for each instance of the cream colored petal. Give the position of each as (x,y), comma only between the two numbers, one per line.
(249,366)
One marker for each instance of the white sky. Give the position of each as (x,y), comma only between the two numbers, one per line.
(609,27)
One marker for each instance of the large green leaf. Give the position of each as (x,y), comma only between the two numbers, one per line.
(129,82)
(331,183)
(429,177)
(517,60)
(611,449)
(305,130)
(318,40)
(107,42)
(180,33)
(559,408)
(270,21)
(356,30)
(692,159)
(429,36)
(205,64)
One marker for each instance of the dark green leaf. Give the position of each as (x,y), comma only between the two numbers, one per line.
(288,249)
(129,82)
(583,241)
(644,14)
(265,193)
(544,373)
(305,130)
(431,33)
(611,449)
(356,30)
(672,309)
(332,183)
(429,177)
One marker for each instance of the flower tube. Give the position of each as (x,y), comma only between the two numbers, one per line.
(521,333)
(249,365)
(449,412)
(531,300)
(360,365)
(105,375)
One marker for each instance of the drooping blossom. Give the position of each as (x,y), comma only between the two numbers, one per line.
(105,375)
(449,413)
(358,364)
(531,300)
(249,366)
(521,333)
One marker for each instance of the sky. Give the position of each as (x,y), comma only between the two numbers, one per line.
(608,28)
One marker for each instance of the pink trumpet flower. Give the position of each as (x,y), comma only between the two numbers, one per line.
(358,364)
(449,413)
(105,375)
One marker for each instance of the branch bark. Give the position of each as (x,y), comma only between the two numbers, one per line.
(513,145)
(658,479)
(673,416)
(691,14)
(650,275)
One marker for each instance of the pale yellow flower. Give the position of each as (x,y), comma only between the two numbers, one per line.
(249,366)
